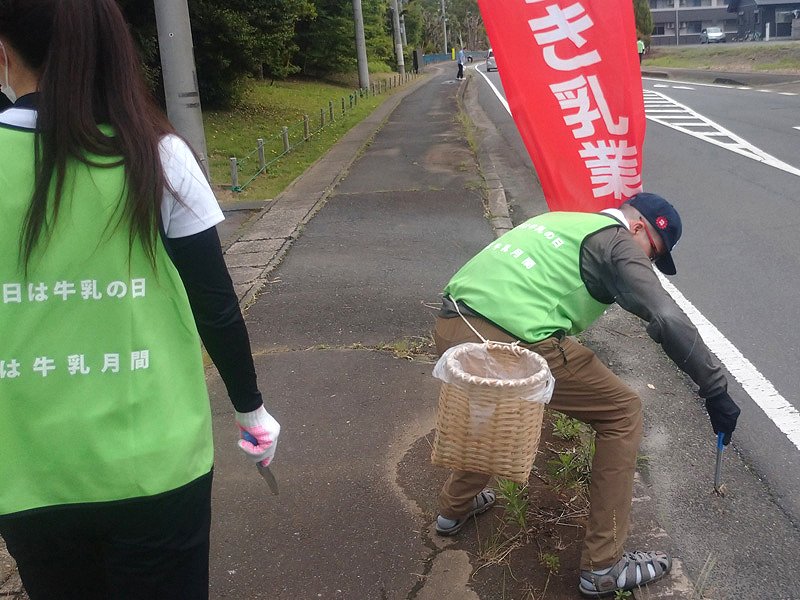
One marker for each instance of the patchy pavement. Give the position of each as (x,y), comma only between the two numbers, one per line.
(340,276)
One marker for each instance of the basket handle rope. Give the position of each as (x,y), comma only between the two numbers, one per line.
(513,345)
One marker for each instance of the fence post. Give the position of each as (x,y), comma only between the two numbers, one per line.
(355,98)
(262,162)
(351,100)
(330,108)
(234,173)
(306,131)
(321,118)
(343,109)
(285,133)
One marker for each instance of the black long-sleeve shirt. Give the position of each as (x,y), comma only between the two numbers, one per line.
(201,266)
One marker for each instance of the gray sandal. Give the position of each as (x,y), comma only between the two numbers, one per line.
(639,568)
(480,503)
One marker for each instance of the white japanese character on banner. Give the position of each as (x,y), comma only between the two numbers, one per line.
(9,370)
(575,94)
(614,167)
(12,292)
(44,365)
(140,360)
(137,288)
(117,289)
(76,364)
(110,363)
(63,289)
(37,292)
(89,290)
(559,25)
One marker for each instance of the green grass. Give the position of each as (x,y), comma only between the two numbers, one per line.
(782,57)
(264,110)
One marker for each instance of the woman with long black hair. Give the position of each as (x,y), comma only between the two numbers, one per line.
(111,265)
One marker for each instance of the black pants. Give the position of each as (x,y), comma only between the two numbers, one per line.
(460,72)
(143,549)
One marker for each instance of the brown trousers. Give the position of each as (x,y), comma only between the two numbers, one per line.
(585,390)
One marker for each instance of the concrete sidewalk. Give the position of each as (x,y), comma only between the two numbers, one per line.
(339,277)
(398,209)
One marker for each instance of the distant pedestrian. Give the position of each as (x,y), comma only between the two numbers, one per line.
(552,277)
(111,265)
(640,47)
(461,59)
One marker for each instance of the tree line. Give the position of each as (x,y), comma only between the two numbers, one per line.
(236,40)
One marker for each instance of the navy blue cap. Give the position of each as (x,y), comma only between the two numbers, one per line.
(665,221)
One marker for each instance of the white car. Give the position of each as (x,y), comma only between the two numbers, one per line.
(712,35)
(490,64)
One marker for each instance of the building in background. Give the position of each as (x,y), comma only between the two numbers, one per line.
(681,21)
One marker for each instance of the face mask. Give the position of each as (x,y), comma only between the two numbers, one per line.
(5,88)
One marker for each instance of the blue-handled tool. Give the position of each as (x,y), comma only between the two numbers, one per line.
(265,471)
(718,470)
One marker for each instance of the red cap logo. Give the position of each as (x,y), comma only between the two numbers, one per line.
(661,222)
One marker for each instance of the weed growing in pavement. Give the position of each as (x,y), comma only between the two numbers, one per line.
(623,594)
(516,502)
(551,561)
(408,347)
(567,428)
(573,466)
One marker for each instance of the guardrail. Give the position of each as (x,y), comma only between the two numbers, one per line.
(291,136)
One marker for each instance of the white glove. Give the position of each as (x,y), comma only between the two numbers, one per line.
(262,427)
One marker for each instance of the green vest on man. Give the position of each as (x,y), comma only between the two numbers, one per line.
(528,281)
(92,335)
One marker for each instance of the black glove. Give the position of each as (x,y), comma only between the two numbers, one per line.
(723,413)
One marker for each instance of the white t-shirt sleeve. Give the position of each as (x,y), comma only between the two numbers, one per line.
(198,208)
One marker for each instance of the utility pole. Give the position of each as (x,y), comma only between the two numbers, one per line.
(180,77)
(361,45)
(398,44)
(402,24)
(444,27)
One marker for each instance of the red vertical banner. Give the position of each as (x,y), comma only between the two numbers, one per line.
(571,76)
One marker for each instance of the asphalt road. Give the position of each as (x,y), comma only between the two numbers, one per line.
(737,264)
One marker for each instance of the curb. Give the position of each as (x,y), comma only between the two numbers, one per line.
(497,203)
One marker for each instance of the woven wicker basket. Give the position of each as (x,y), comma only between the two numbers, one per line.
(491,406)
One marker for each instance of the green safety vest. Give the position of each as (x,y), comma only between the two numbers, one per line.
(102,389)
(528,281)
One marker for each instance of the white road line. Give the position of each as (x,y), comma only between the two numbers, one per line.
(796,127)
(763,393)
(734,143)
(760,390)
(497,93)
(694,84)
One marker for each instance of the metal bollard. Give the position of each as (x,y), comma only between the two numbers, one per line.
(234,173)
(262,162)
(285,133)
(306,131)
